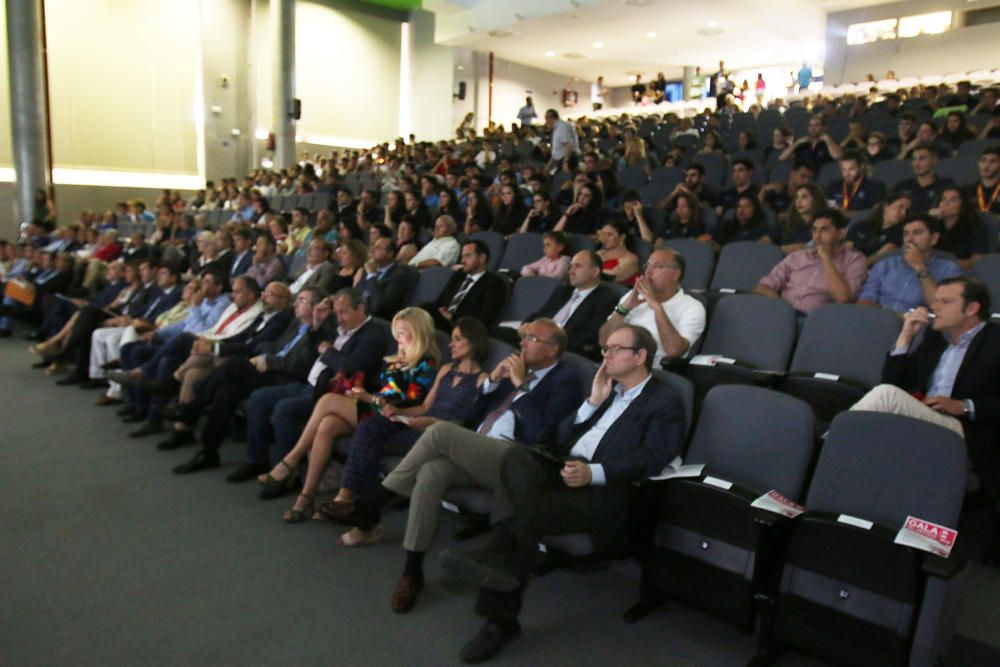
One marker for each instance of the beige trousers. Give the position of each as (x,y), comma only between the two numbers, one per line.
(892,399)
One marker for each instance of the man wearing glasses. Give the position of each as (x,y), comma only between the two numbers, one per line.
(659,305)
(522,401)
(629,428)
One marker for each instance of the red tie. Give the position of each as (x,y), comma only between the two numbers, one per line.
(229,320)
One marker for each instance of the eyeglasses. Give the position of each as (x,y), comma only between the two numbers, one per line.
(532,338)
(615,349)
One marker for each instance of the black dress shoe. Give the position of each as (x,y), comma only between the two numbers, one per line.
(133,417)
(44,363)
(125,411)
(201,461)
(124,378)
(487,569)
(186,413)
(489,641)
(94,383)
(147,428)
(71,379)
(176,439)
(246,472)
(112,365)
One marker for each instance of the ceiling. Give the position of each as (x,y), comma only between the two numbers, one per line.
(615,38)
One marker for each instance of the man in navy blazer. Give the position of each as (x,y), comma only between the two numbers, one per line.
(522,401)
(629,428)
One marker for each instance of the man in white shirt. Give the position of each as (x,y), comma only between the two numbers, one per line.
(443,250)
(597,93)
(658,304)
(565,143)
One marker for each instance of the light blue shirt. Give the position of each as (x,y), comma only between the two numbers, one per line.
(893,284)
(503,428)
(199,318)
(942,381)
(587,444)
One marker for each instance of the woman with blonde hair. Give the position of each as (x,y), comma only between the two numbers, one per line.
(405,380)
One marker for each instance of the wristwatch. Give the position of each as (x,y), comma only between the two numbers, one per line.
(923,273)
(968,407)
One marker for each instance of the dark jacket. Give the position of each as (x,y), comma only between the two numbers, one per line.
(364,352)
(252,340)
(978,379)
(583,325)
(485,300)
(536,414)
(385,294)
(644,439)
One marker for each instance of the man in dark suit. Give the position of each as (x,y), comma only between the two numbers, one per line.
(523,400)
(629,428)
(385,283)
(278,413)
(471,292)
(242,253)
(952,378)
(580,307)
(286,360)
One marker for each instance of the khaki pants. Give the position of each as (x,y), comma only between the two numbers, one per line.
(194,368)
(445,456)
(890,398)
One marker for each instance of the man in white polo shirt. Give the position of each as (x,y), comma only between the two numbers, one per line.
(658,304)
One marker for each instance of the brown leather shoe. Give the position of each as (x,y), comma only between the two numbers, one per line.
(405,595)
(106,400)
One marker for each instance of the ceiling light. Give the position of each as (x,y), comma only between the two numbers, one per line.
(713,24)
(549,54)
(598,45)
(651,35)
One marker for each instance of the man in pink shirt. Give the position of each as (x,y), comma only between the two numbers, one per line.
(827,272)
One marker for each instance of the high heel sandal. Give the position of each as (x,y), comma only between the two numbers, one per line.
(271,482)
(298,516)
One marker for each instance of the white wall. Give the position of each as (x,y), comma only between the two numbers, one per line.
(959,49)
(431,80)
(512,82)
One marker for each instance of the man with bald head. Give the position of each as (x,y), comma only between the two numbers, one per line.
(658,304)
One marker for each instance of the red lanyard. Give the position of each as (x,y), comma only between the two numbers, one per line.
(849,197)
(984,205)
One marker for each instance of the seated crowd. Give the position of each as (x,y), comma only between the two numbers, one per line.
(301,324)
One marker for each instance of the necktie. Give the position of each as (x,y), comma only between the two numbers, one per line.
(291,344)
(498,412)
(460,294)
(152,308)
(567,310)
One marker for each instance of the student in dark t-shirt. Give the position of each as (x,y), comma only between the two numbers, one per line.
(881,233)
(855,191)
(817,146)
(747,223)
(926,186)
(963,233)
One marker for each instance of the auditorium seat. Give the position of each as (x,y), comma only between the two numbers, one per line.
(699,262)
(839,356)
(521,249)
(848,594)
(987,269)
(495,242)
(430,284)
(527,296)
(748,341)
(891,172)
(742,264)
(709,547)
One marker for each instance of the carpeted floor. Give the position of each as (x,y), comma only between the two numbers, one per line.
(109,558)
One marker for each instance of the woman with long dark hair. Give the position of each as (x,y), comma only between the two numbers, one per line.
(584,215)
(963,233)
(883,231)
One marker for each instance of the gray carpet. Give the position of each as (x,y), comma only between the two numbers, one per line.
(109,558)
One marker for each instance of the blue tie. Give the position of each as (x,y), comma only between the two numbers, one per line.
(152,308)
(303,328)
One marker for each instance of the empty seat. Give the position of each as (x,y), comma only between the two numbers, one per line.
(668,176)
(699,262)
(840,355)
(632,178)
(527,296)
(962,170)
(430,284)
(748,340)
(577,242)
(521,249)
(973,147)
(987,269)
(742,264)
(706,536)
(892,172)
(848,593)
